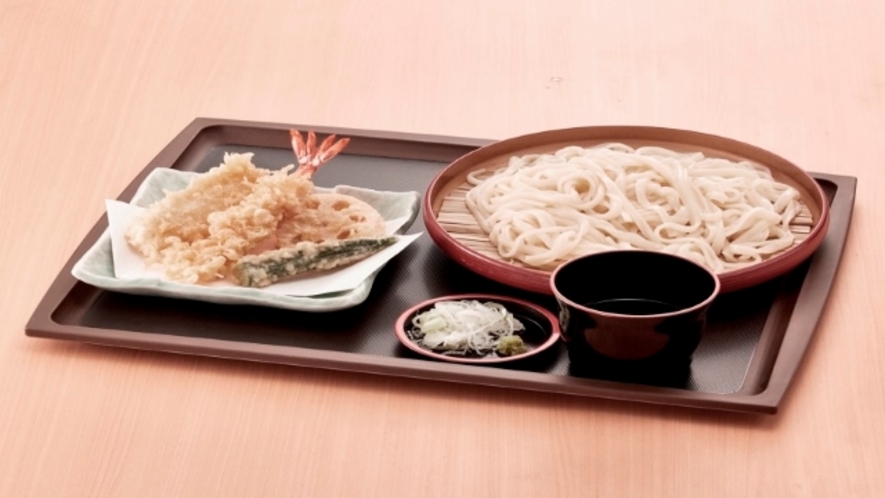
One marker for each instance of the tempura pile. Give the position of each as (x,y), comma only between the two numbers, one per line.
(199,234)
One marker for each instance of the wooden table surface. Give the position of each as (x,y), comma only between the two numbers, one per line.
(90,91)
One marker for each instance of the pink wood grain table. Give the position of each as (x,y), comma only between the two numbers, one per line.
(91,91)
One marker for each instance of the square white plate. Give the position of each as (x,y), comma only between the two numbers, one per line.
(96,267)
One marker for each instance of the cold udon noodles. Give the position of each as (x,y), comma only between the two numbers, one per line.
(544,209)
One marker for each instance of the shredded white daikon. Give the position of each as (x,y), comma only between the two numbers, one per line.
(464,327)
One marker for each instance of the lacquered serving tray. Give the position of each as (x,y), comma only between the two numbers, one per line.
(754,343)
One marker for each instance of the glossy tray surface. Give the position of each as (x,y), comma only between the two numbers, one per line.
(754,343)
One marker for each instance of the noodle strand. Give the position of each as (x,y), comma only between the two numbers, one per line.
(544,209)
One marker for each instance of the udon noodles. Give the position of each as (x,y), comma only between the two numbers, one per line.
(544,209)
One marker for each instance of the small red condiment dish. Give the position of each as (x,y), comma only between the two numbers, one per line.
(542,328)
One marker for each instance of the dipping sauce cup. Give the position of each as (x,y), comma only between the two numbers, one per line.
(633,307)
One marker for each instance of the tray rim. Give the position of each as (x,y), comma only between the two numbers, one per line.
(776,374)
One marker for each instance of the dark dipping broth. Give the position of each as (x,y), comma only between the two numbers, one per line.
(632,306)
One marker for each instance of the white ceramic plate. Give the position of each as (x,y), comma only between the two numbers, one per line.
(96,267)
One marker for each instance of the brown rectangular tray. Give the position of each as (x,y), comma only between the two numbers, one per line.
(750,352)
